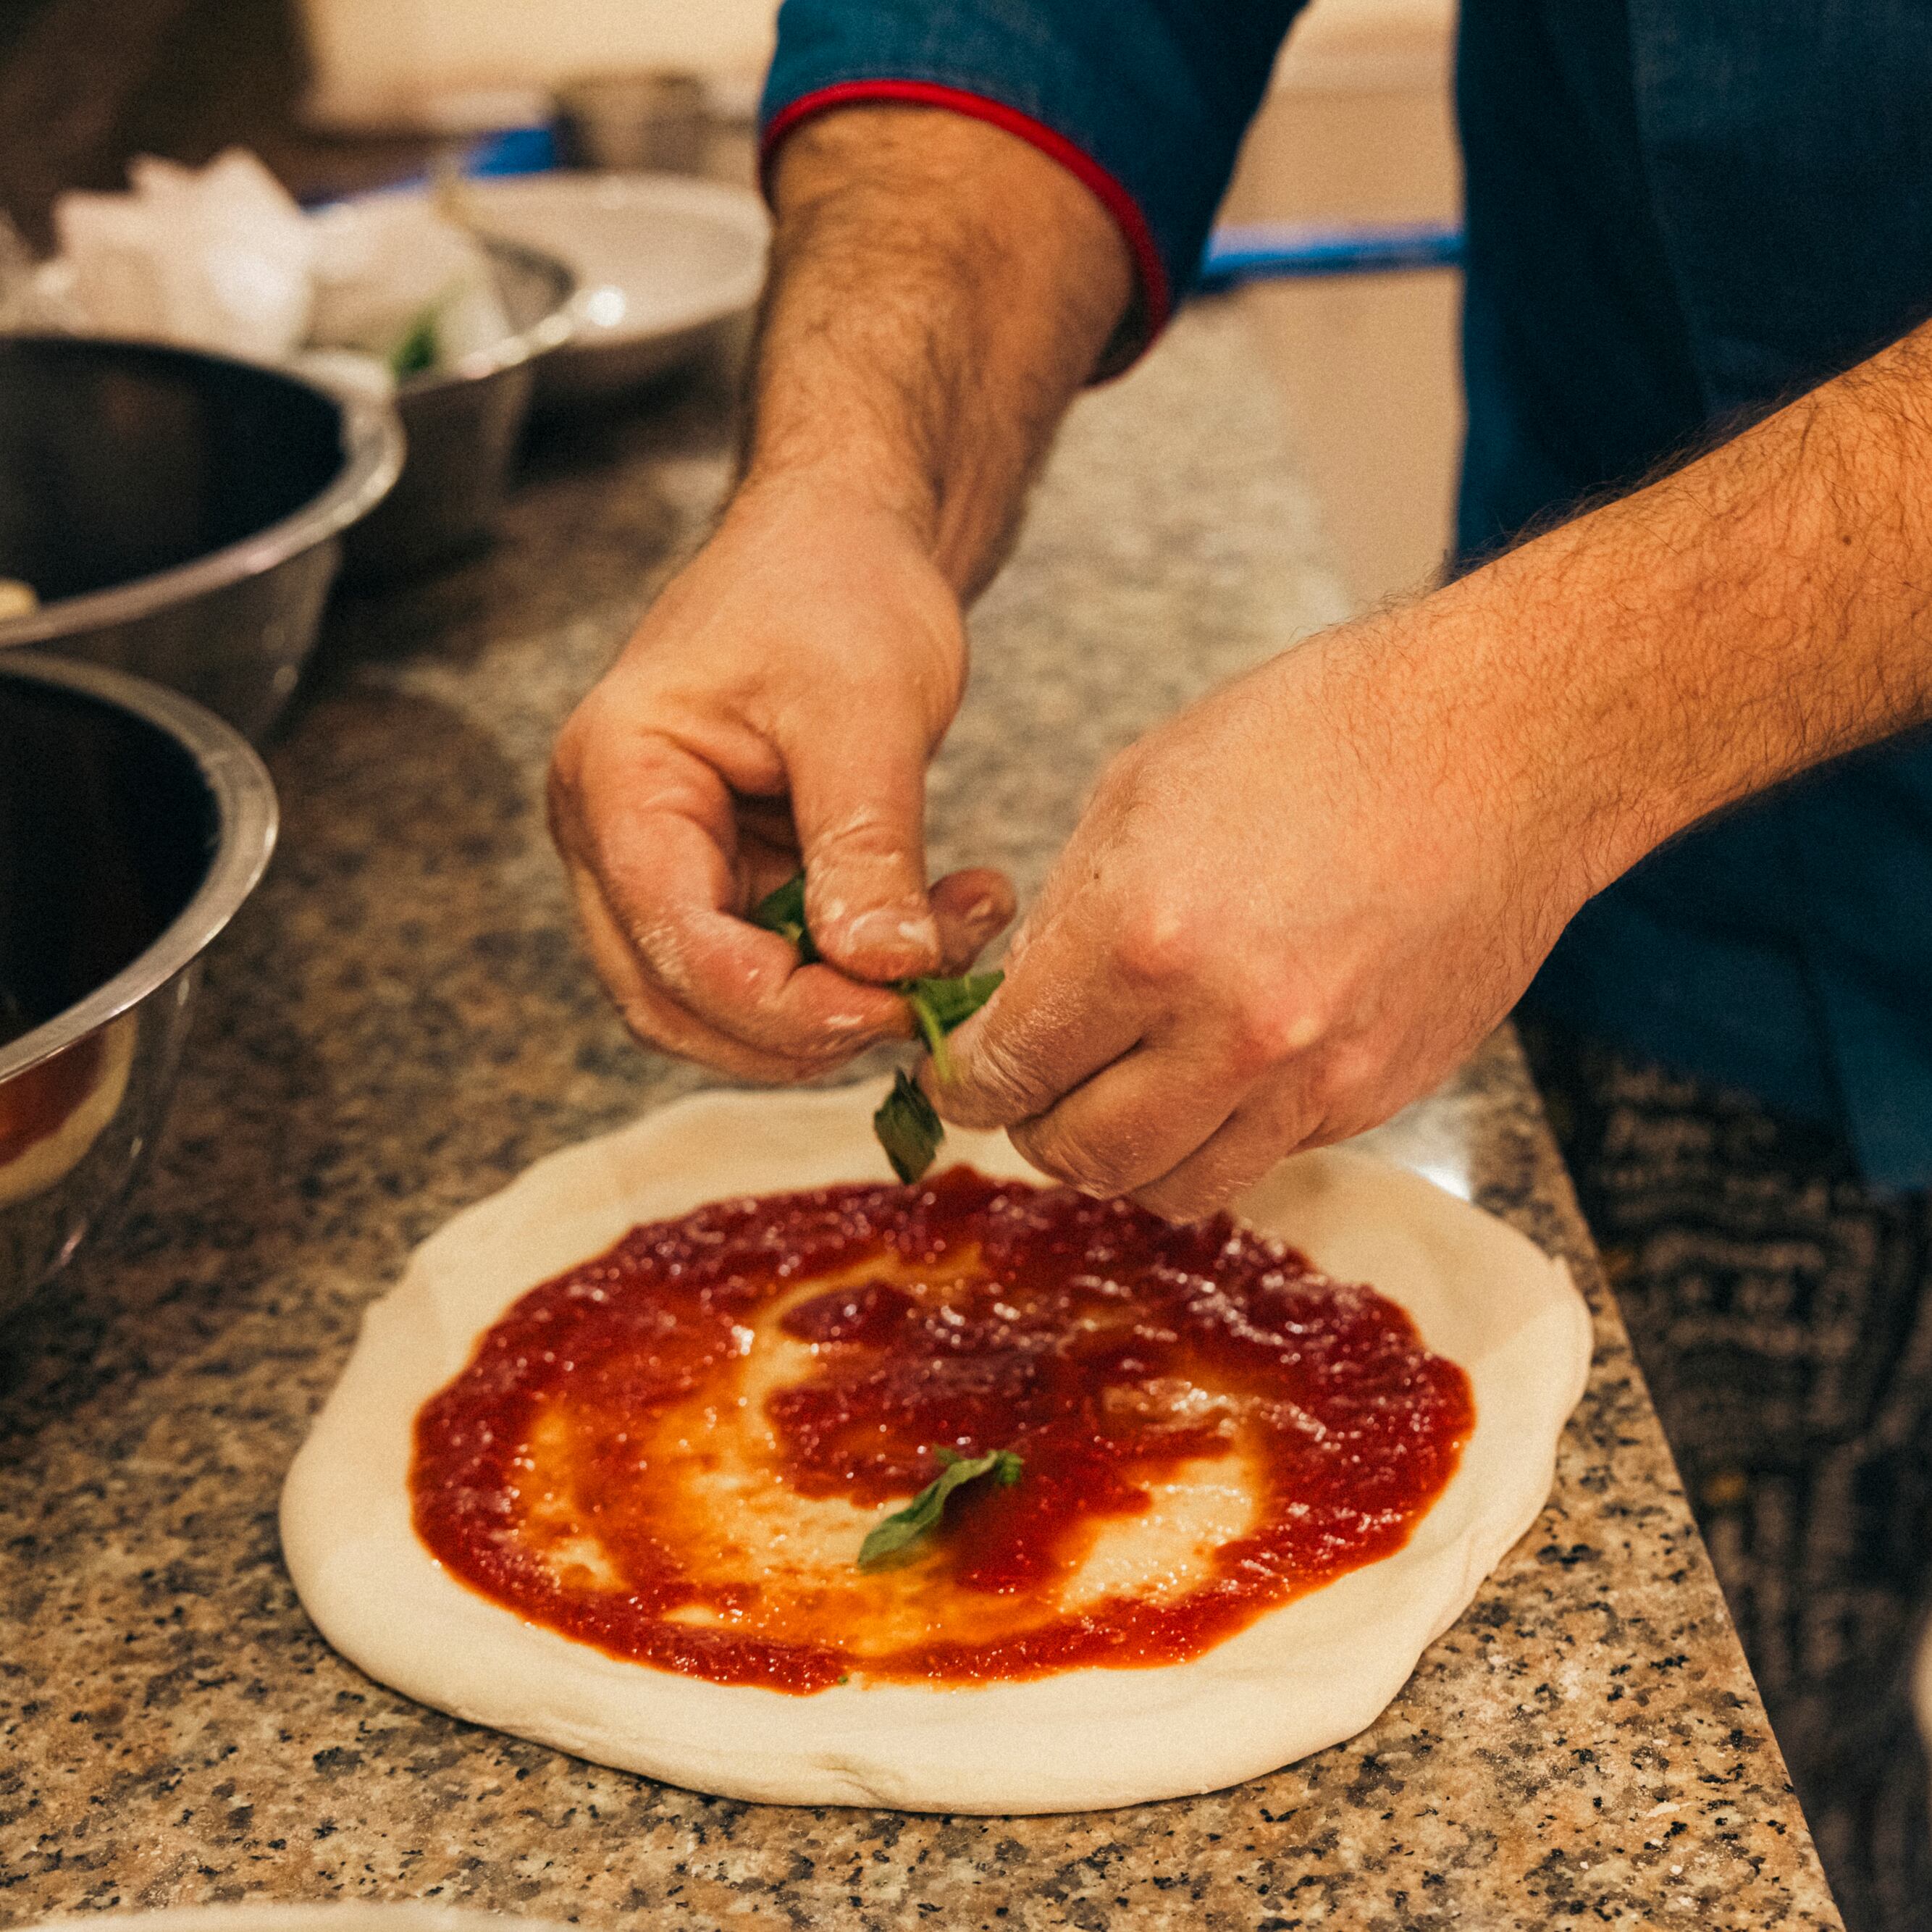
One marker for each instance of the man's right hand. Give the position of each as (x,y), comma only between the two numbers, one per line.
(778,706)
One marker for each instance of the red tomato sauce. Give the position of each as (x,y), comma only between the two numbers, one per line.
(659,1452)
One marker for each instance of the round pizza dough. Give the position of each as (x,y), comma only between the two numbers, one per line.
(1310,1674)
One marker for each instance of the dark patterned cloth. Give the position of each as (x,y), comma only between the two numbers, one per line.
(1782,1314)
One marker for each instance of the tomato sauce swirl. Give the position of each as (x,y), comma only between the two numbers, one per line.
(672,1451)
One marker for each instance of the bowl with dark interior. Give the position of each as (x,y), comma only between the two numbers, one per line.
(178,515)
(133,824)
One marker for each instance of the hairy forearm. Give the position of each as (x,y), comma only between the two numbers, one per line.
(939,292)
(1759,611)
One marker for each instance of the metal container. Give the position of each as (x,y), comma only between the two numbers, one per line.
(133,824)
(179,514)
(658,120)
(463,425)
(669,271)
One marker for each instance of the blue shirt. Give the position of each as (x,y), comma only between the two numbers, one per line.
(1680,212)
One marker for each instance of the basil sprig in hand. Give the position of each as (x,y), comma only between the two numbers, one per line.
(908,1129)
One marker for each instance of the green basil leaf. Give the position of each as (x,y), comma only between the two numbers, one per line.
(921,1516)
(908,1129)
(953,1002)
(782,910)
(419,348)
(940,1005)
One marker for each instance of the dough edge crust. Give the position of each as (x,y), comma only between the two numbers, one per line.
(1311,1674)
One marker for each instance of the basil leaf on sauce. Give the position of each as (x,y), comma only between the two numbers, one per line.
(907,1128)
(921,1516)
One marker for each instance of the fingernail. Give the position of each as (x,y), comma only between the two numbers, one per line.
(886,928)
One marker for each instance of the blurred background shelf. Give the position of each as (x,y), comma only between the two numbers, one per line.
(1358,132)
(342,95)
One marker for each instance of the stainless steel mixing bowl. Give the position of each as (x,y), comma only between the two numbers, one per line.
(463,424)
(179,514)
(133,824)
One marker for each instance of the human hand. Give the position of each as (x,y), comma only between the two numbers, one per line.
(1287,912)
(778,706)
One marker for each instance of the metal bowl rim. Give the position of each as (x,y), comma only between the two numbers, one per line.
(247,818)
(372,459)
(740,210)
(550,330)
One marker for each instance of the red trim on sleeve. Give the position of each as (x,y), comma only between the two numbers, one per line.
(1156,294)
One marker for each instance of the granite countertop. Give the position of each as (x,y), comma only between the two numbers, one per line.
(399,1022)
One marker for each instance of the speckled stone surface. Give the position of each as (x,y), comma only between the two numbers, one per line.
(399,1022)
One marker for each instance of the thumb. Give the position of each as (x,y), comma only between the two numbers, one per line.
(858,799)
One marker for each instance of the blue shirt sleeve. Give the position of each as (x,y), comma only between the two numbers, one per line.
(1146,100)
